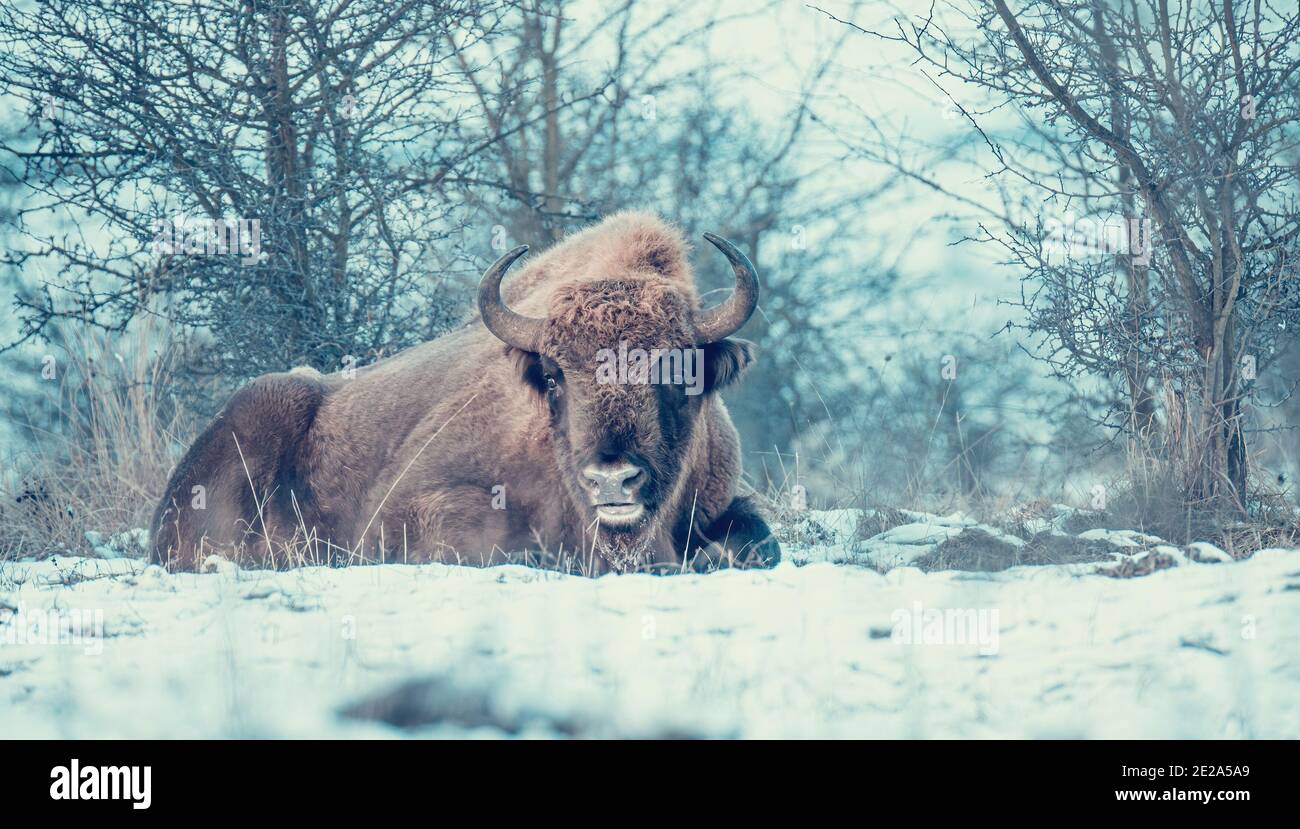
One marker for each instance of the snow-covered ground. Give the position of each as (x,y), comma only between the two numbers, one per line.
(824,645)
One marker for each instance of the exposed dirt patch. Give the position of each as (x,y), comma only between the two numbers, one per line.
(1083,520)
(872,523)
(1052,548)
(1139,566)
(976,550)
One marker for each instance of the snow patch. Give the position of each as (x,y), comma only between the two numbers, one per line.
(796,651)
(129,544)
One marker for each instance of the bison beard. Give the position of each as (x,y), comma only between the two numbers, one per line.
(499,436)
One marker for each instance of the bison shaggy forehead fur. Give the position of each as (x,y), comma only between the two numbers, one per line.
(644,313)
(627,246)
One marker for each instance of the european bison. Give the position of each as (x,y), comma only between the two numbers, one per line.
(578,415)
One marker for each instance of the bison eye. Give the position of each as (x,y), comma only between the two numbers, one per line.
(551,385)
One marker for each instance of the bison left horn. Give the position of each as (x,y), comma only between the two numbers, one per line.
(514,329)
(726,319)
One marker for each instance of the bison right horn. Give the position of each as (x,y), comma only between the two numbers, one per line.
(726,319)
(524,333)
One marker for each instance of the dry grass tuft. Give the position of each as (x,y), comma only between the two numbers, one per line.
(99,439)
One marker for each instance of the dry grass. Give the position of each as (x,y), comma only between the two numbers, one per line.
(100,442)
(305,548)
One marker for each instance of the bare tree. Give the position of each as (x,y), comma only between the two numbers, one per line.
(1172,127)
(578,93)
(316,139)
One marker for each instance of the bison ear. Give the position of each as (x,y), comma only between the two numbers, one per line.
(725,361)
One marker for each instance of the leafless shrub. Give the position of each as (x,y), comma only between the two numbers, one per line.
(1177,124)
(334,133)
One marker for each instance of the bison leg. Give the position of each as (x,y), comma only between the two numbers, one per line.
(454,525)
(739,538)
(231,490)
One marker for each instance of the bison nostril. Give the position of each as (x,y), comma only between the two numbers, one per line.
(613,485)
(633,480)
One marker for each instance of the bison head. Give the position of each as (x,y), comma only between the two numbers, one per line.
(624,365)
